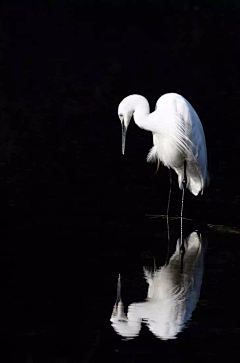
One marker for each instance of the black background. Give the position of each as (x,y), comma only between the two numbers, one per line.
(70,202)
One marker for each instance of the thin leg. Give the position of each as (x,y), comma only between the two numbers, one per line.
(184,182)
(168,206)
(170,190)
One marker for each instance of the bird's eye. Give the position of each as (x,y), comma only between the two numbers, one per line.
(121,117)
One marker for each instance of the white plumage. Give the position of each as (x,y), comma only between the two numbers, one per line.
(172,295)
(178,135)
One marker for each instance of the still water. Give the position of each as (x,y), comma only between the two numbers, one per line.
(173,293)
(179,316)
(68,305)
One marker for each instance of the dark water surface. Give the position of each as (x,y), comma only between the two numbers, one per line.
(75,213)
(57,303)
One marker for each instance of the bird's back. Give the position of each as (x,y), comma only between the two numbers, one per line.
(187,138)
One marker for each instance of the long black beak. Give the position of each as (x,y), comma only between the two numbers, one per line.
(124,131)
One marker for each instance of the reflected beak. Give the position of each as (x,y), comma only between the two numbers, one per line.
(118,289)
(118,299)
(118,309)
(124,131)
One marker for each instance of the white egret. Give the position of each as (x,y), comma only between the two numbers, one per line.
(172,295)
(178,138)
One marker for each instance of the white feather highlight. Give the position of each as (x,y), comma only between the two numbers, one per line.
(152,155)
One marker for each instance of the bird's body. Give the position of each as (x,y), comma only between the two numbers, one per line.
(172,296)
(178,135)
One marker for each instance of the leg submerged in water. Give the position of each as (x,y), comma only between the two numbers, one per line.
(170,190)
(168,207)
(184,182)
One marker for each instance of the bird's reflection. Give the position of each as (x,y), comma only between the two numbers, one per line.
(172,294)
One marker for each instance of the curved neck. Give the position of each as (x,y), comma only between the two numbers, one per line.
(143,118)
(141,110)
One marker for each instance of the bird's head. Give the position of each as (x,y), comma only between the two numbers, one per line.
(125,112)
